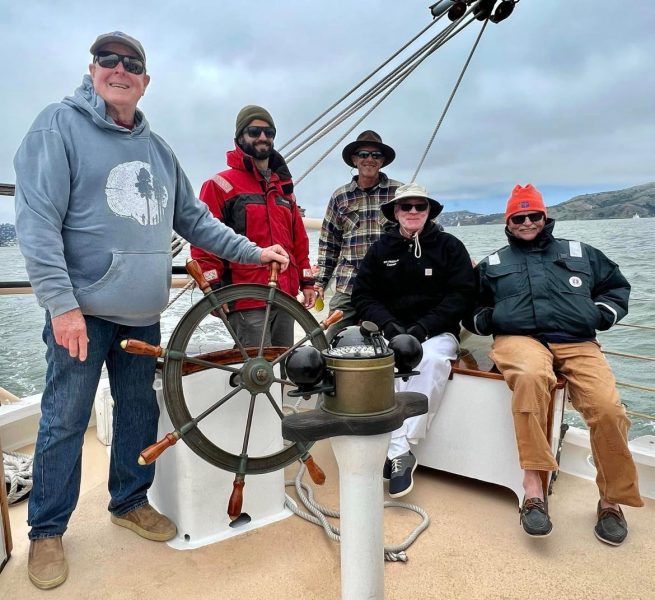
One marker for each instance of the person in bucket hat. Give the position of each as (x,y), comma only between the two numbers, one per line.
(416,279)
(543,299)
(353,221)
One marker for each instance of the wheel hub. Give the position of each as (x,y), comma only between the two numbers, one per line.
(257,375)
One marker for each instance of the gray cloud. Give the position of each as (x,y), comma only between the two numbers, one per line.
(560,94)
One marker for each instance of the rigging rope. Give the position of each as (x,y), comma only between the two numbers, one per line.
(452,95)
(427,48)
(393,81)
(358,85)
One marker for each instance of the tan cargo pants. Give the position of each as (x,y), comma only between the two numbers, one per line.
(529,370)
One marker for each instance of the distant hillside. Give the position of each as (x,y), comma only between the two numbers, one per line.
(619,204)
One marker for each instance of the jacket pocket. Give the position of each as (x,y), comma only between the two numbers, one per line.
(505,282)
(136,285)
(349,220)
(573,277)
(578,312)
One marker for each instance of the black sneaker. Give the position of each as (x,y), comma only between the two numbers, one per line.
(386,470)
(534,517)
(401,480)
(611,527)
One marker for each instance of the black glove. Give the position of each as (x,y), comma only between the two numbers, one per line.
(418,331)
(392,329)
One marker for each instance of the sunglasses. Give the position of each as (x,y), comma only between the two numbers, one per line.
(366,154)
(132,64)
(254,131)
(407,207)
(534,217)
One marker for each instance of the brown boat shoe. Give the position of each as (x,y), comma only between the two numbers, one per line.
(148,523)
(46,566)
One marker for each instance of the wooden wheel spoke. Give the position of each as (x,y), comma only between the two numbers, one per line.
(277,409)
(267,316)
(246,435)
(285,382)
(194,422)
(205,363)
(223,317)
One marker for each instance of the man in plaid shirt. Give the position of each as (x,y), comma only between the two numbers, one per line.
(353,221)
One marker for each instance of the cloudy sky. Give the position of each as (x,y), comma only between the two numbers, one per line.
(560,94)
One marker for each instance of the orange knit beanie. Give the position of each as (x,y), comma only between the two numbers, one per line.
(523,199)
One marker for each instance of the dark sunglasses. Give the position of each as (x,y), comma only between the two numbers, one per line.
(365,154)
(534,217)
(254,132)
(132,64)
(407,207)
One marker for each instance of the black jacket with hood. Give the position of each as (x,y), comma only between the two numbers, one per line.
(434,291)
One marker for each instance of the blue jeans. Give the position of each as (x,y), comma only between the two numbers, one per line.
(66,406)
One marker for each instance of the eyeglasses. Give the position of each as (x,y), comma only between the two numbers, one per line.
(407,207)
(254,131)
(534,217)
(365,154)
(132,64)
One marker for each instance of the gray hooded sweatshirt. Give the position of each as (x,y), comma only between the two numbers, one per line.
(95,207)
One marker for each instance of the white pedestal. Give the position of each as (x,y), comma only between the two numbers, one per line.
(360,460)
(194,493)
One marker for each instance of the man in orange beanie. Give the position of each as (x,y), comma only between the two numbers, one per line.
(543,299)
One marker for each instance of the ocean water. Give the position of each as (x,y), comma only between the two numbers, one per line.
(629,242)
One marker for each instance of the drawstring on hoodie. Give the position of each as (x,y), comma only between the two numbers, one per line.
(413,236)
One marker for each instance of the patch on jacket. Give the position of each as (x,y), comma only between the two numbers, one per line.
(211,274)
(391,262)
(494,259)
(222,183)
(575,249)
(280,200)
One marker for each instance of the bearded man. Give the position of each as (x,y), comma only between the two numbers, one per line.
(254,196)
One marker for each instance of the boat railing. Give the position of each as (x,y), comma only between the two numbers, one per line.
(178,243)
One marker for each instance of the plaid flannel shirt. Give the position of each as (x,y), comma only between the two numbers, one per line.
(353,221)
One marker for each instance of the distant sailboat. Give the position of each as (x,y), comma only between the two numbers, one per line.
(636,216)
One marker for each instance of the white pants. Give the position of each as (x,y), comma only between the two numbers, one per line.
(434,370)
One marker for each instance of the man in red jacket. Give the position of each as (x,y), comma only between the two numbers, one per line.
(254,196)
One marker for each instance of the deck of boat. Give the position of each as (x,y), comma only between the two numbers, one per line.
(474,548)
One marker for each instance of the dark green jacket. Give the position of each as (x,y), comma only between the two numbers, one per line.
(548,287)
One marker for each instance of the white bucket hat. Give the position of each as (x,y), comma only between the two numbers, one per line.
(410,190)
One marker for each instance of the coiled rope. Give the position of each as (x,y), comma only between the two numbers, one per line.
(318,515)
(18,475)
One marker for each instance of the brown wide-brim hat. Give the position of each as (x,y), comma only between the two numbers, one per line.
(410,190)
(367,138)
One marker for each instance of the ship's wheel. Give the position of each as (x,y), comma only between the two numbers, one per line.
(253,370)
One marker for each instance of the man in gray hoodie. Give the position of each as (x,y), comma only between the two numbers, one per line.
(97,197)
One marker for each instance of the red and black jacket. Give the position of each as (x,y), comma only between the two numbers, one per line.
(266,213)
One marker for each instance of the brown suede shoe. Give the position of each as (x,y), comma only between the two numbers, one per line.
(148,523)
(46,565)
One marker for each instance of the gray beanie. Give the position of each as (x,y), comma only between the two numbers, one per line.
(250,113)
